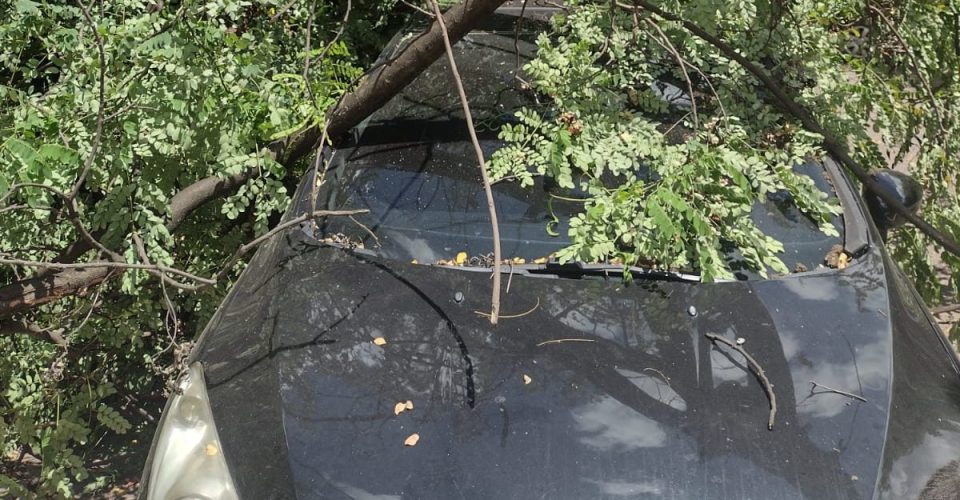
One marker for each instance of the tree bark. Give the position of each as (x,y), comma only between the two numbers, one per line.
(372,92)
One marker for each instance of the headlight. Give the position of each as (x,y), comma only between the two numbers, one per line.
(188,460)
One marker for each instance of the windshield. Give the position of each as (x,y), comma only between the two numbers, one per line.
(412,166)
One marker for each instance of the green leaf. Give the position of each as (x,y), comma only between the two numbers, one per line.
(26,7)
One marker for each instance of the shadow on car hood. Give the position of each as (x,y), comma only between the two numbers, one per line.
(596,388)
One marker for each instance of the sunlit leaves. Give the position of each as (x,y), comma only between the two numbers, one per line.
(192,89)
(662,192)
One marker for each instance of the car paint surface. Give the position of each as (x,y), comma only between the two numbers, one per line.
(626,396)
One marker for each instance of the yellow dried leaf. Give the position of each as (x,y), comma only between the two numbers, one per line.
(412,439)
(519,260)
(210,449)
(526,379)
(399,408)
(842,261)
(414,261)
(461,258)
(408,405)
(380,341)
(541,260)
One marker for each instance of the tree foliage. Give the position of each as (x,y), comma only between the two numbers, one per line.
(189,89)
(669,185)
(196,89)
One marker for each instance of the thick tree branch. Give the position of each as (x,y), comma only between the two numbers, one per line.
(381,84)
(12,327)
(210,188)
(34,292)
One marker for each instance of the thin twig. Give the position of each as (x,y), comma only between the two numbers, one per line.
(916,69)
(72,207)
(418,9)
(282,227)
(13,327)
(560,341)
(495,299)
(665,378)
(757,369)
(512,316)
(336,37)
(836,391)
(142,251)
(516,33)
(88,163)
(668,45)
(367,229)
(283,9)
(308,29)
(13,208)
(106,264)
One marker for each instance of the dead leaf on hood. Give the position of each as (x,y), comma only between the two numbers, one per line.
(402,407)
(380,341)
(461,258)
(412,439)
(842,261)
(526,379)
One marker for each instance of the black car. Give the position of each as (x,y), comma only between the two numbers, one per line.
(346,364)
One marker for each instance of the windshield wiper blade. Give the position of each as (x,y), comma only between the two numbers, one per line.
(579,269)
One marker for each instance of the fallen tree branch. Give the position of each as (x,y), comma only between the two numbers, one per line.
(381,84)
(373,90)
(757,370)
(491,207)
(12,327)
(830,143)
(62,284)
(105,264)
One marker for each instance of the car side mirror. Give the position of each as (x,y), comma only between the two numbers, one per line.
(903,187)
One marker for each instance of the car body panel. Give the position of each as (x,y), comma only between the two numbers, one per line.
(626,395)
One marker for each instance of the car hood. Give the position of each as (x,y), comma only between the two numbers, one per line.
(586,389)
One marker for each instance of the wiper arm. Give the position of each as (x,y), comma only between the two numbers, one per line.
(579,270)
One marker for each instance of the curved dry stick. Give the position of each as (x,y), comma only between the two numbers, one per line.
(512,316)
(495,300)
(835,391)
(757,369)
(560,341)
